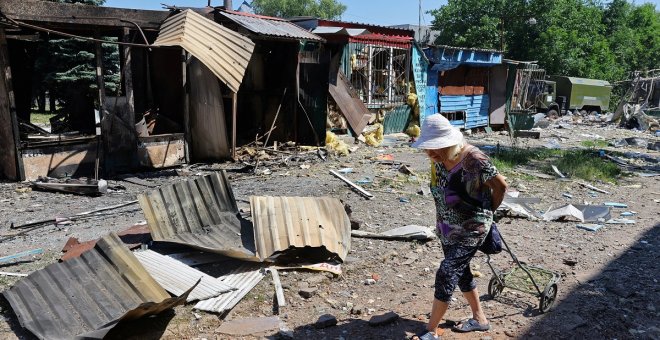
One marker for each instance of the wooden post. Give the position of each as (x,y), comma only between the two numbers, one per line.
(390,75)
(234,103)
(11,166)
(128,77)
(101,87)
(186,105)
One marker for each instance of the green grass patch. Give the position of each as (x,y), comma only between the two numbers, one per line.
(583,164)
(586,164)
(506,160)
(41,118)
(594,144)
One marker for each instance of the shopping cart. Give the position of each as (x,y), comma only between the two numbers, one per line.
(524,278)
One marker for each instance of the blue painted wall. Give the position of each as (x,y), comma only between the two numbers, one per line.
(431,106)
(476,108)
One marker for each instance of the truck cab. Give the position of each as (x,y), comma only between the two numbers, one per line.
(542,95)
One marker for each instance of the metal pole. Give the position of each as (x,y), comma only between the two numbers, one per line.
(234,102)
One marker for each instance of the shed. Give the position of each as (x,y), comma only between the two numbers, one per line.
(285,86)
(459,84)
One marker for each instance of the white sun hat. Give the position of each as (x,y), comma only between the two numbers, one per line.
(438,133)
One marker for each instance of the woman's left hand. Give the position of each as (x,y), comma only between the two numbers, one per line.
(498,185)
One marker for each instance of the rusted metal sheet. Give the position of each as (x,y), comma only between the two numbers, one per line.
(161,151)
(225,52)
(208,126)
(244,279)
(177,277)
(64,13)
(59,161)
(349,103)
(201,213)
(271,27)
(284,222)
(87,296)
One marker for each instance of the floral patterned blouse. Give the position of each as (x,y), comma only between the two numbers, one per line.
(463,202)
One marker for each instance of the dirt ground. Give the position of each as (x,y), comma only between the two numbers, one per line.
(607,286)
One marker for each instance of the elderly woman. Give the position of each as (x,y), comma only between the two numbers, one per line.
(467,189)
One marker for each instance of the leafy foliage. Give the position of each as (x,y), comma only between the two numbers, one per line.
(581,38)
(324,9)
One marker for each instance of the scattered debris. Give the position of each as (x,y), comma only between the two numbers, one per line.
(409,232)
(554,168)
(279,291)
(13,274)
(616,205)
(620,221)
(592,187)
(73,186)
(325,321)
(326,267)
(307,292)
(176,277)
(244,278)
(383,319)
(583,213)
(590,227)
(21,254)
(355,186)
(249,326)
(563,212)
(56,306)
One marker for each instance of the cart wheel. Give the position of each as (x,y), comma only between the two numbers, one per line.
(548,298)
(495,288)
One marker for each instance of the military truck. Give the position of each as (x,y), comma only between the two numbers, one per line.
(558,95)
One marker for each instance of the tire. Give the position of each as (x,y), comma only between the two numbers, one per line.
(494,287)
(548,298)
(552,114)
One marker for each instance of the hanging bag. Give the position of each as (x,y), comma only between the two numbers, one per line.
(493,242)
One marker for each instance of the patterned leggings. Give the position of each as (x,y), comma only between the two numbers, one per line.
(454,270)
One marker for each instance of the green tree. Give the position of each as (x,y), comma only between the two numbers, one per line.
(324,9)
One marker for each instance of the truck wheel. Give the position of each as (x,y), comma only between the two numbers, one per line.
(552,114)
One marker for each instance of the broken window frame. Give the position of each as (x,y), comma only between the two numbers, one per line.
(363,62)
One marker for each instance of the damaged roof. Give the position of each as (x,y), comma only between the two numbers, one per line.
(270,26)
(281,223)
(88,295)
(225,52)
(201,213)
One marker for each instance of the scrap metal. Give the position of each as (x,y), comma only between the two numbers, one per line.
(225,52)
(244,279)
(281,223)
(201,213)
(87,296)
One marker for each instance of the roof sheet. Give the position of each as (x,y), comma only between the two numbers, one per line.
(177,277)
(244,278)
(88,294)
(225,52)
(268,26)
(284,222)
(339,31)
(201,213)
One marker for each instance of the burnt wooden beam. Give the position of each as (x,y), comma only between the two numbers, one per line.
(47,12)
(11,164)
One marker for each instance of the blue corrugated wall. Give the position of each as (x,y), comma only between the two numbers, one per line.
(431,106)
(476,108)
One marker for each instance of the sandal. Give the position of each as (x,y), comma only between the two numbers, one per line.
(425,335)
(471,325)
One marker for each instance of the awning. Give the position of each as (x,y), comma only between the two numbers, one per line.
(225,52)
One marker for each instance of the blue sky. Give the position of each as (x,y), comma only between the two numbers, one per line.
(380,12)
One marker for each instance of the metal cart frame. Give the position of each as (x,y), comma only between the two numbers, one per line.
(520,277)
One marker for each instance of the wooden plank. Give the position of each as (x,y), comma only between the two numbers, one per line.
(279,291)
(11,165)
(357,114)
(66,14)
(355,186)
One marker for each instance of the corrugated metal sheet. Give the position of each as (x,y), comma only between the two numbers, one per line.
(396,120)
(201,213)
(351,106)
(244,279)
(225,52)
(177,277)
(268,26)
(284,222)
(89,294)
(476,108)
